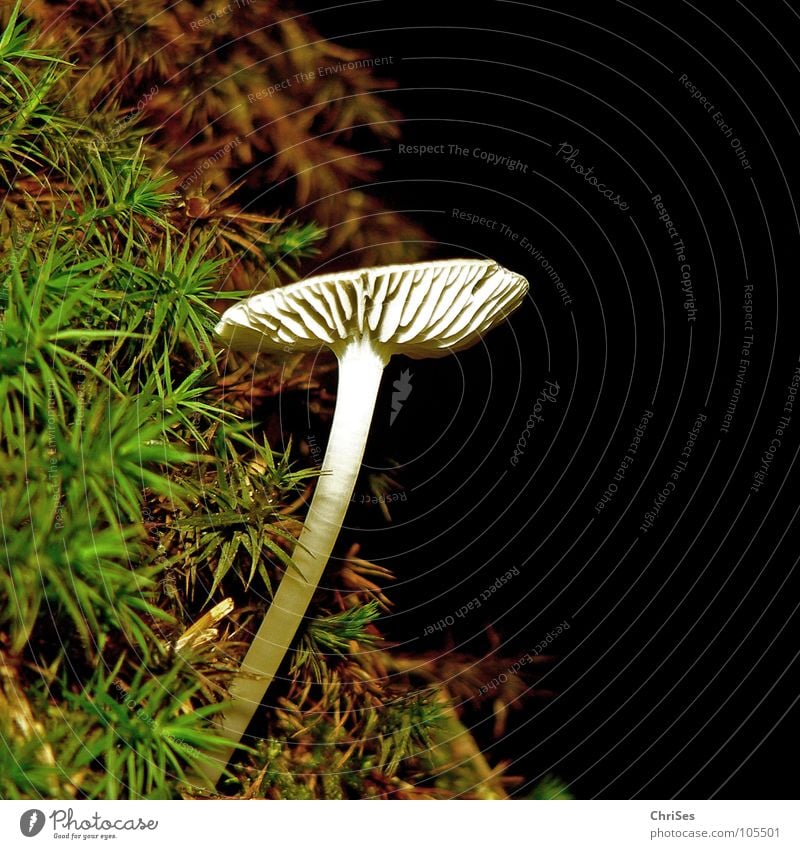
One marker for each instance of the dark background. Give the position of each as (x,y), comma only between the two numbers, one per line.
(678,674)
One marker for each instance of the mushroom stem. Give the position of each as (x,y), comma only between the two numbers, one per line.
(361,364)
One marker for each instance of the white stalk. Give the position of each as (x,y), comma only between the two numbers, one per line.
(361,363)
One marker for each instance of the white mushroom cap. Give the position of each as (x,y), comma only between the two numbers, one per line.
(423,309)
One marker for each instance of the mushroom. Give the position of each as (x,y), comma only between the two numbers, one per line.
(425,309)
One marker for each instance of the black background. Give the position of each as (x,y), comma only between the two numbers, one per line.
(678,675)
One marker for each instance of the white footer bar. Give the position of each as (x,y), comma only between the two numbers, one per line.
(410,825)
